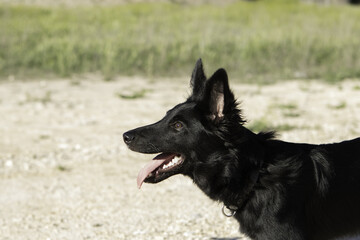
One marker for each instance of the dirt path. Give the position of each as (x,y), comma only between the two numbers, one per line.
(65,173)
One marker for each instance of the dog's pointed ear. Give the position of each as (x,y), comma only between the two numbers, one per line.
(218,95)
(198,80)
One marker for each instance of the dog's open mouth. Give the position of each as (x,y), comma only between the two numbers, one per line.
(161,167)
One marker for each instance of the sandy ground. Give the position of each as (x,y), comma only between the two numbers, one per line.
(66,174)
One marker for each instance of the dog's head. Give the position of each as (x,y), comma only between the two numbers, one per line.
(194,137)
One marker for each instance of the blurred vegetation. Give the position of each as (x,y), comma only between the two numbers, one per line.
(262,40)
(264,125)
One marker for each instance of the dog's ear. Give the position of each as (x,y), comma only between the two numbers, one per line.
(198,80)
(218,95)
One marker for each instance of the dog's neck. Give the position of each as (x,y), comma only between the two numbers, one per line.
(228,179)
(234,193)
(240,201)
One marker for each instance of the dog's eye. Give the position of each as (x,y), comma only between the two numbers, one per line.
(178,125)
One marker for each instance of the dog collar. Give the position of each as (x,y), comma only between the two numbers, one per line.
(230,210)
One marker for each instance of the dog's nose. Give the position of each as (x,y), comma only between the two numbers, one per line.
(128,137)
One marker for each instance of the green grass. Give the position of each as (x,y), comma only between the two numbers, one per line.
(262,40)
(31,98)
(288,109)
(340,105)
(259,125)
(287,106)
(263,125)
(134,95)
(63,168)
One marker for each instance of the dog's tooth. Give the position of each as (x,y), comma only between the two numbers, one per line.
(171,163)
(175,159)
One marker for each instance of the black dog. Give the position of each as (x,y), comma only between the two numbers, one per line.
(275,189)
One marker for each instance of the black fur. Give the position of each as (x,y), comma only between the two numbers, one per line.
(283,191)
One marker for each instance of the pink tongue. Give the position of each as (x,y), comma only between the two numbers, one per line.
(155,163)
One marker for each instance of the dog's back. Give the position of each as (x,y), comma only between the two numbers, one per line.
(337,212)
(305,191)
